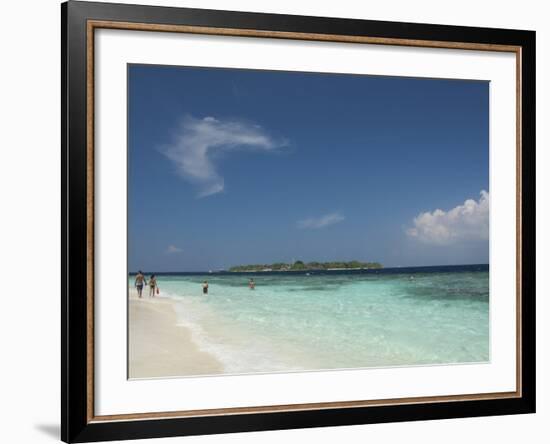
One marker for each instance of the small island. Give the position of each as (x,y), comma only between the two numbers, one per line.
(306,266)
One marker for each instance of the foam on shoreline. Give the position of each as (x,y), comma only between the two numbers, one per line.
(159,346)
(235,349)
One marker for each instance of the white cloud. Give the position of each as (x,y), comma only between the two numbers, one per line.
(197,141)
(466,222)
(322,221)
(173,249)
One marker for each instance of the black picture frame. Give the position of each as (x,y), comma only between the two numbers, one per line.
(76,326)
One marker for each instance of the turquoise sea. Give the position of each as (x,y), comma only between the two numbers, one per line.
(336,319)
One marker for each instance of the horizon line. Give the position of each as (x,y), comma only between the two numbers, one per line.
(305,271)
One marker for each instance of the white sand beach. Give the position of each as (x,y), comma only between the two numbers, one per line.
(158,347)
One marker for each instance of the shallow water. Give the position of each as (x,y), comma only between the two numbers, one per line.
(340,319)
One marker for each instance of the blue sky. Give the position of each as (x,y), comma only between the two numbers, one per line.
(229,167)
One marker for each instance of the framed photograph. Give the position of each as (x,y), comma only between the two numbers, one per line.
(275,221)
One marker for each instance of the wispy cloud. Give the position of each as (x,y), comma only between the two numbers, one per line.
(173,249)
(322,221)
(466,222)
(197,141)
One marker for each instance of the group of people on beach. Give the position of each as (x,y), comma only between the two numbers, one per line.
(140,282)
(251,285)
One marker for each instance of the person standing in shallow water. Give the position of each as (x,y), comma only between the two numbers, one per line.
(205,287)
(152,286)
(140,281)
(251,284)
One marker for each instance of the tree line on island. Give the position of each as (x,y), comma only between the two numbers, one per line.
(306,266)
